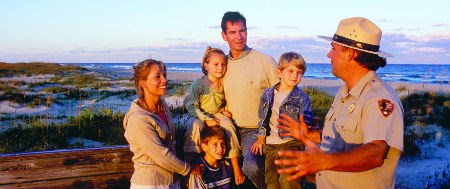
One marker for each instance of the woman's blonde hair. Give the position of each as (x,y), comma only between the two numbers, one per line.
(141,71)
(208,52)
(291,58)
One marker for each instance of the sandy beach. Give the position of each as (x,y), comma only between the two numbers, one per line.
(332,86)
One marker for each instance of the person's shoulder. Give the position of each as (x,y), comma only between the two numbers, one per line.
(199,82)
(380,89)
(271,88)
(301,92)
(197,161)
(267,58)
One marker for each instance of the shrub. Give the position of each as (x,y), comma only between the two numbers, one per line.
(320,102)
(103,126)
(427,108)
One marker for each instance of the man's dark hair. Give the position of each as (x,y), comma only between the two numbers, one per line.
(369,60)
(232,17)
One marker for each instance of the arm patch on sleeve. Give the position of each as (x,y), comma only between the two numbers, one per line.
(386,107)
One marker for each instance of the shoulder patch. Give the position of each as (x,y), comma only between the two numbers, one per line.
(386,107)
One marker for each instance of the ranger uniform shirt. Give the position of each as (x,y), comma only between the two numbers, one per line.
(370,111)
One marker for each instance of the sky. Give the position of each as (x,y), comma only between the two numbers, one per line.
(108,31)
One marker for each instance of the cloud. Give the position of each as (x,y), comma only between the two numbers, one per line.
(178,39)
(440,25)
(406,49)
(287,27)
(418,49)
(214,27)
(253,27)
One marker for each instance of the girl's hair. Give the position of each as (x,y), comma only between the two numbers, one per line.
(291,58)
(208,52)
(141,71)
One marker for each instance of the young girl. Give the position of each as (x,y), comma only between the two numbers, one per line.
(205,104)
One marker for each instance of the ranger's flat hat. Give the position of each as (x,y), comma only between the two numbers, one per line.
(360,34)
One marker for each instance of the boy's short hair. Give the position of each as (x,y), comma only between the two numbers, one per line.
(210,132)
(291,58)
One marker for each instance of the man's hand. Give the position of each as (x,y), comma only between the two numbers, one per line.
(293,128)
(300,163)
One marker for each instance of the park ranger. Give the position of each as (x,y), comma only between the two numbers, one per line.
(362,138)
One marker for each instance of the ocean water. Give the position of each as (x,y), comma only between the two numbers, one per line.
(409,73)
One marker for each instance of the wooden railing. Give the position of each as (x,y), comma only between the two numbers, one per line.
(109,167)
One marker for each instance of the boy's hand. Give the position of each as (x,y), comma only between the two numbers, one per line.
(257,147)
(213,122)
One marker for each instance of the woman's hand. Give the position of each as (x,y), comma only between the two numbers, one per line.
(198,169)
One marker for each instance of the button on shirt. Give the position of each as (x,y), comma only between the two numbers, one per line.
(355,119)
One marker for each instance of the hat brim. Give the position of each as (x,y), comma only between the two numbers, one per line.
(379,53)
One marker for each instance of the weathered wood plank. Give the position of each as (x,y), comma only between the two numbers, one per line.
(66,165)
(101,181)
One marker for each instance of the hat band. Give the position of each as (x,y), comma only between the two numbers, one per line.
(357,44)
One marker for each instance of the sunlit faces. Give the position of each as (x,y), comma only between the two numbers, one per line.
(156,82)
(216,65)
(214,149)
(290,76)
(236,35)
(338,57)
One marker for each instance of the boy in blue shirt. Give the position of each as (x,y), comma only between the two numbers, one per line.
(217,172)
(287,98)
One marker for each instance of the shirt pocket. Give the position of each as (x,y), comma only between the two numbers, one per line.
(293,111)
(347,135)
(346,124)
(329,114)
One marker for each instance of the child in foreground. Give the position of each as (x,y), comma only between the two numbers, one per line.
(287,98)
(205,104)
(217,173)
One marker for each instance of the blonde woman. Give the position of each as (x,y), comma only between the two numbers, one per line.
(150,131)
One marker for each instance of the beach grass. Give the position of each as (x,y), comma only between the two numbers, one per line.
(33,68)
(320,103)
(102,126)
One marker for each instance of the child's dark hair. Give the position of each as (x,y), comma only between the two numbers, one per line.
(210,132)
(208,52)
